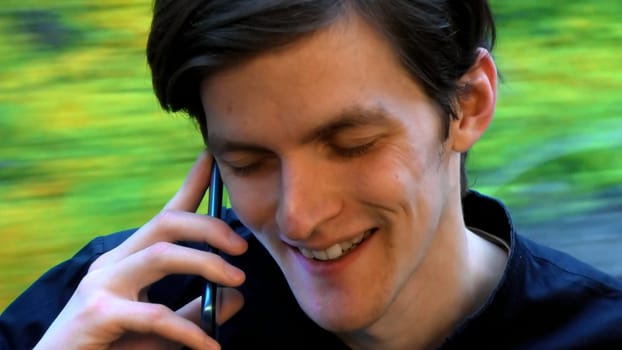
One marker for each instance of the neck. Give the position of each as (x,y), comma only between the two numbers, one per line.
(453,281)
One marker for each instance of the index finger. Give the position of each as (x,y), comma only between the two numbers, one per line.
(192,191)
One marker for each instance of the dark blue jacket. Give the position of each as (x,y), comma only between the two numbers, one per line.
(545,300)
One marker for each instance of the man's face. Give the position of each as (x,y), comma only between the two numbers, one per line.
(333,157)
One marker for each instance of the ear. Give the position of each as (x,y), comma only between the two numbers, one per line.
(476,104)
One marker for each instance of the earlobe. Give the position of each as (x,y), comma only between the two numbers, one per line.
(476,104)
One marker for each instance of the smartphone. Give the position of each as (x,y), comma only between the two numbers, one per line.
(210,293)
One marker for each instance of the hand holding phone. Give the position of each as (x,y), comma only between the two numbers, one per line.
(115,280)
(208,302)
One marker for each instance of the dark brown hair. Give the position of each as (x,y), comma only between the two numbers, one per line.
(436,40)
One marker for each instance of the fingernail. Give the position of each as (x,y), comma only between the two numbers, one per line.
(212,344)
(235,273)
(237,241)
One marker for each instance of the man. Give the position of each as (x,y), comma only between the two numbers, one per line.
(340,128)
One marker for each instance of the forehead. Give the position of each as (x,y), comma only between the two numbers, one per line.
(348,38)
(344,66)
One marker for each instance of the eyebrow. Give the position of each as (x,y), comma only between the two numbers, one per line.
(352,117)
(347,119)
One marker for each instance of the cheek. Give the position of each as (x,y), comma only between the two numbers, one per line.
(396,171)
(253,201)
(406,182)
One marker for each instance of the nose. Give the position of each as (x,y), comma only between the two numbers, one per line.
(308,199)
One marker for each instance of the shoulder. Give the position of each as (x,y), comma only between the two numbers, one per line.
(564,272)
(547,300)
(565,302)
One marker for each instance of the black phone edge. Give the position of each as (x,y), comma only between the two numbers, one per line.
(210,292)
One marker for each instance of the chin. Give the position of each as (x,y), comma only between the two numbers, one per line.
(343,324)
(337,315)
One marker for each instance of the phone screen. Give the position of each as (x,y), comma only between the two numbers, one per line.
(208,310)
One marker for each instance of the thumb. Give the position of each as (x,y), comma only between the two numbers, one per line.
(229,302)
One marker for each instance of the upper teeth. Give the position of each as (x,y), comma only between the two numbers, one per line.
(337,250)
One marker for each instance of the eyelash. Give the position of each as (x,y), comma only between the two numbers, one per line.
(347,152)
(354,151)
(245,170)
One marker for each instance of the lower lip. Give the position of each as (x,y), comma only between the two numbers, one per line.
(332,266)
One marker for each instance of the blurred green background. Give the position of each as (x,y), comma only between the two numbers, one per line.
(85,149)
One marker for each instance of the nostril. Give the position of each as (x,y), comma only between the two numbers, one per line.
(306,200)
(297,222)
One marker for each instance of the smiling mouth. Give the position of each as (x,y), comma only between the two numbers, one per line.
(337,250)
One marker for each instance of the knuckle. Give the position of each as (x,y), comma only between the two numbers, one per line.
(97,305)
(165,217)
(157,314)
(157,252)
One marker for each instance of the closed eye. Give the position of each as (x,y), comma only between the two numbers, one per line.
(247,165)
(354,151)
(244,170)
